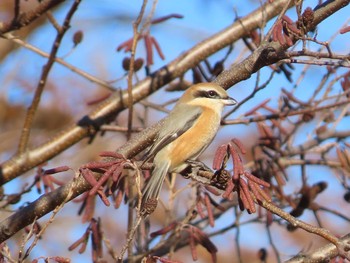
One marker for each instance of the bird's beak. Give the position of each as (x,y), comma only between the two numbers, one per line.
(229,101)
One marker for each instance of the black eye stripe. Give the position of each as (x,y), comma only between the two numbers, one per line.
(206,94)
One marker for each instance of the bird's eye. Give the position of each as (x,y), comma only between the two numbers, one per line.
(212,93)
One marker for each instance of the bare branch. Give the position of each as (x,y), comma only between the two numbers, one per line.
(26,18)
(89,124)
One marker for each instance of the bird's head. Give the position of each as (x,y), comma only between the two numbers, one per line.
(207,95)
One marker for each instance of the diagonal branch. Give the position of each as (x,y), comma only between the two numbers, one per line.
(58,60)
(269,53)
(89,124)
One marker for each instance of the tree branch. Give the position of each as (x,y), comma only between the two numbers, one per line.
(89,124)
(25,19)
(23,141)
(322,254)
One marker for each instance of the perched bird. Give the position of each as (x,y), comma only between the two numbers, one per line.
(187,131)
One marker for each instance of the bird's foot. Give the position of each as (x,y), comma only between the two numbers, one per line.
(198,165)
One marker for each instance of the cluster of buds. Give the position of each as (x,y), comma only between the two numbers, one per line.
(95,233)
(286,32)
(110,170)
(150,44)
(45,178)
(248,187)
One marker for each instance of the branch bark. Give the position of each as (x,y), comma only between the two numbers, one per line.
(89,124)
(26,18)
(322,254)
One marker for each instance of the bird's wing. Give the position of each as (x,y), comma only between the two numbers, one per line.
(152,188)
(175,128)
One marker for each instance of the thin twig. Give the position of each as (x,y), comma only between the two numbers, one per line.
(132,64)
(132,227)
(284,114)
(80,72)
(52,217)
(23,142)
(298,223)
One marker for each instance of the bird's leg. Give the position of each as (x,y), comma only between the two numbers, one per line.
(194,166)
(198,165)
(193,169)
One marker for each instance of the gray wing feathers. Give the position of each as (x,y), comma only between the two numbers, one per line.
(175,128)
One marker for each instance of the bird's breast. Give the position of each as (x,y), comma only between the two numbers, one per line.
(194,141)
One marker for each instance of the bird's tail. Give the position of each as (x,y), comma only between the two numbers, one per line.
(151,192)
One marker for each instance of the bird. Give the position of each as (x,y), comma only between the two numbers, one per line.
(185,133)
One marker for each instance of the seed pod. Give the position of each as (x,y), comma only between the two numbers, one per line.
(126,63)
(78,37)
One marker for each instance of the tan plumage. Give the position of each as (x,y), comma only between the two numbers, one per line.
(186,133)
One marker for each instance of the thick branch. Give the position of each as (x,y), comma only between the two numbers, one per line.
(269,53)
(48,202)
(322,254)
(118,102)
